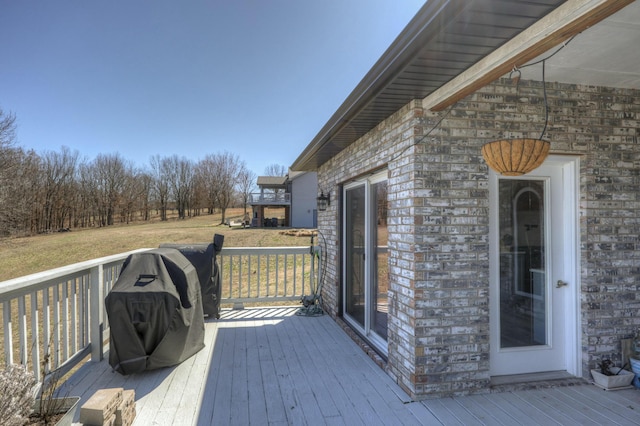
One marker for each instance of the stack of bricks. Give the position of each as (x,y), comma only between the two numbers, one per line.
(126,412)
(109,407)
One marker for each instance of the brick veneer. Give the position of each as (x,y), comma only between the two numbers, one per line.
(438,223)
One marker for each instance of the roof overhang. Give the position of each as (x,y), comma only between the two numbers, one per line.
(272,181)
(569,19)
(450,49)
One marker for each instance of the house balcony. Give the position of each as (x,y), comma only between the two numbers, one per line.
(270,199)
(262,364)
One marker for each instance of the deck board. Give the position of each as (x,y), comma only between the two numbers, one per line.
(306,367)
(521,409)
(608,404)
(561,412)
(240,378)
(276,412)
(295,386)
(255,383)
(481,409)
(269,367)
(322,372)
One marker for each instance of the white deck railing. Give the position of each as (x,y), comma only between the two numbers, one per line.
(265,275)
(60,313)
(269,198)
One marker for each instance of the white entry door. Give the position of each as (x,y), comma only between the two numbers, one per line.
(534,279)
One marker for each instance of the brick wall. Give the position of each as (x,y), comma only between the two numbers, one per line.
(438,223)
(371,153)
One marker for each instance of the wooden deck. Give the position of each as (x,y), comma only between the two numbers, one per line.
(270,367)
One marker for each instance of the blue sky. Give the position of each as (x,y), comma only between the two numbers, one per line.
(257,78)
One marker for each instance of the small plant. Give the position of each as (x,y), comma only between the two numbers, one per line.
(16,397)
(50,403)
(605,367)
(49,406)
(606,376)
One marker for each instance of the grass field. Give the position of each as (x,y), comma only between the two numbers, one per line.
(23,256)
(252,277)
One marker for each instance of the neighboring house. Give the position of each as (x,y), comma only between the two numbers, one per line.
(304,212)
(457,276)
(294,194)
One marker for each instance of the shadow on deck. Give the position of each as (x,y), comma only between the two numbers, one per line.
(269,366)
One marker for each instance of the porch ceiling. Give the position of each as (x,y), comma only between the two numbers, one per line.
(447,37)
(606,54)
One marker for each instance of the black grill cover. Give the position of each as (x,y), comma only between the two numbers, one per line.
(155,312)
(204,258)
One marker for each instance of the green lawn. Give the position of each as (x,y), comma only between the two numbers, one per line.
(23,256)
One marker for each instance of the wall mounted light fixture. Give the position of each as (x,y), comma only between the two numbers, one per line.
(324,201)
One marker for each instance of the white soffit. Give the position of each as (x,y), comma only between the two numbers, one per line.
(607,54)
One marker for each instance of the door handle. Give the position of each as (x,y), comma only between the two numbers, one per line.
(561,284)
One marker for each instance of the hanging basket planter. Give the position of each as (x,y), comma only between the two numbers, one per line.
(515,157)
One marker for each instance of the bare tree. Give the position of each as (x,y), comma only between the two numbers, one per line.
(8,163)
(146,187)
(87,201)
(56,190)
(8,154)
(246,185)
(205,176)
(180,172)
(200,192)
(58,170)
(220,173)
(17,192)
(275,170)
(18,180)
(135,195)
(26,183)
(7,129)
(160,175)
(110,174)
(228,168)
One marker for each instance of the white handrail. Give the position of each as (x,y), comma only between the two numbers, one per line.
(61,312)
(266,274)
(64,317)
(269,197)
(40,280)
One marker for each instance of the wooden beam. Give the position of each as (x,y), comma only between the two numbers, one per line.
(567,20)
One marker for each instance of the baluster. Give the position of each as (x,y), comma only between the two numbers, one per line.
(8,332)
(97,315)
(35,336)
(46,326)
(22,330)
(64,318)
(56,326)
(258,277)
(295,270)
(74,317)
(247,273)
(268,275)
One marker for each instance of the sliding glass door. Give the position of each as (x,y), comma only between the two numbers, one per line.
(354,298)
(365,258)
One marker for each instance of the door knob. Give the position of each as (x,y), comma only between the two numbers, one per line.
(561,283)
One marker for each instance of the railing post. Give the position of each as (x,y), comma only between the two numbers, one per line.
(8,333)
(22,330)
(96,313)
(312,287)
(35,336)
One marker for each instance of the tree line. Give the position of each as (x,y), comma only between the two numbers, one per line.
(58,190)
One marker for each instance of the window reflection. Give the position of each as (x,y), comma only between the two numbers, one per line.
(522,263)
